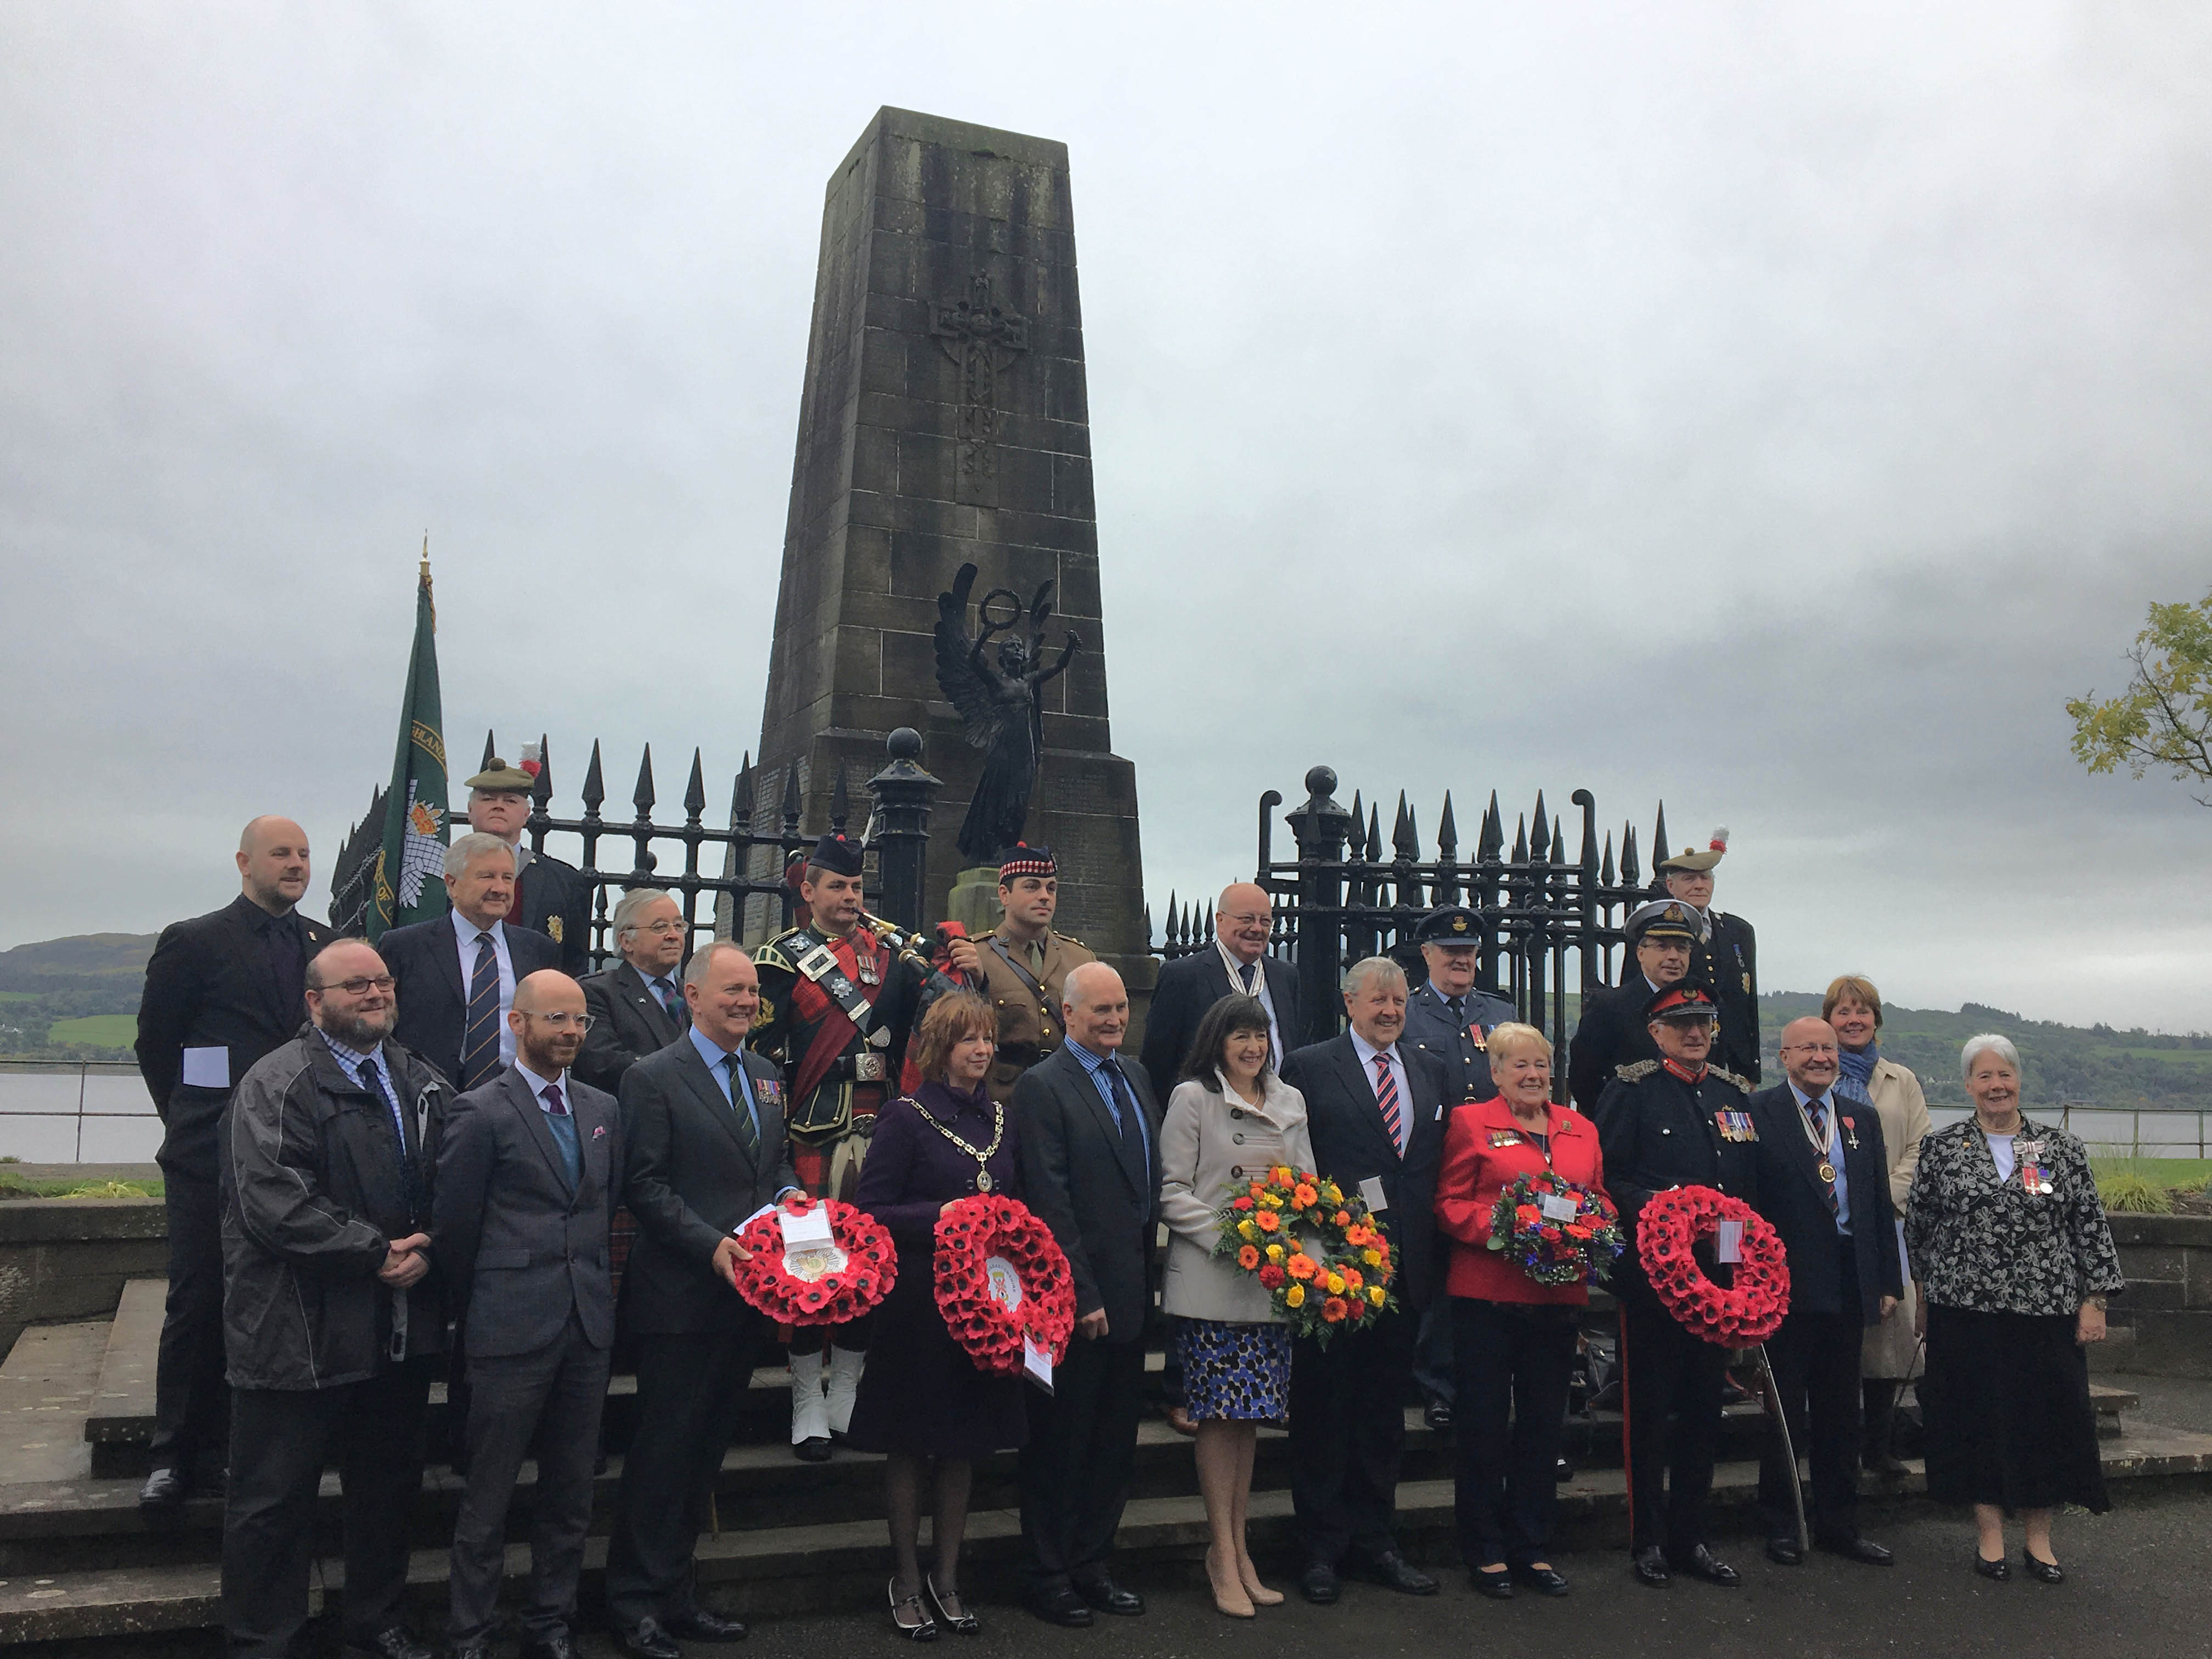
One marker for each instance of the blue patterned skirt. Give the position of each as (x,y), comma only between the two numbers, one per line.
(1235,1371)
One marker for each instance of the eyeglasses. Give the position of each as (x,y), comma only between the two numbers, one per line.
(673,924)
(360,986)
(560,1022)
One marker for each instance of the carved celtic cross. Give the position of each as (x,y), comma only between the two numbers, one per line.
(983,340)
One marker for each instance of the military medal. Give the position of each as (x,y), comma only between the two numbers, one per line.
(1505,1138)
(1827,1172)
(868,973)
(2035,1179)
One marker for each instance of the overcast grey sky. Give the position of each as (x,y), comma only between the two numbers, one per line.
(1780,413)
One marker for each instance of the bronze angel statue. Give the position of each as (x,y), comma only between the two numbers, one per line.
(1000,697)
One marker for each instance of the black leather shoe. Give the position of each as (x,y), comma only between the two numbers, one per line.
(162,1499)
(559,1645)
(1106,1596)
(1394,1572)
(1999,1569)
(1497,1586)
(1059,1607)
(1319,1585)
(393,1643)
(700,1626)
(2044,1572)
(1544,1580)
(1651,1567)
(1863,1550)
(1785,1552)
(1562,1471)
(646,1640)
(815,1450)
(1438,1414)
(1701,1564)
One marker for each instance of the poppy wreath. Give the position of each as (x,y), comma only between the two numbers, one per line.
(1325,1260)
(1551,1252)
(968,1235)
(871,1268)
(1747,1313)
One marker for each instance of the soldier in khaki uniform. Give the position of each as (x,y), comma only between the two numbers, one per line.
(1021,966)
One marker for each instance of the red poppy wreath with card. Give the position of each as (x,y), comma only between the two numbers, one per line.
(1744,1313)
(1002,1278)
(816,1284)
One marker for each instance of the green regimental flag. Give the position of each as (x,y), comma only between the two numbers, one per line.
(409,881)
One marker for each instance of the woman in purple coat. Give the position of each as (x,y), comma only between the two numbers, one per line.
(922,1401)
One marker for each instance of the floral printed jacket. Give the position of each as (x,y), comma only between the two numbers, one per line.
(2035,1243)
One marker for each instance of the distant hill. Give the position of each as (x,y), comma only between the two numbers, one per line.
(79,956)
(74,998)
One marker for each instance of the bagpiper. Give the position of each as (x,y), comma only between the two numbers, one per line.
(1021,965)
(837,1005)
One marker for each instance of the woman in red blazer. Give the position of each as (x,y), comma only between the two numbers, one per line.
(1513,1338)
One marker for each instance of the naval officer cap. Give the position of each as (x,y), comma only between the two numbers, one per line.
(1449,924)
(1661,919)
(1701,860)
(1682,1002)
(836,855)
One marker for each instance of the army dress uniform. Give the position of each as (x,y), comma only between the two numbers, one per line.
(1661,1126)
(1725,960)
(1022,981)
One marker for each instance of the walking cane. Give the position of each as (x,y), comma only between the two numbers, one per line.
(1789,1451)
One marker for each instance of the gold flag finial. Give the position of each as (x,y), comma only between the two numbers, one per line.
(426,580)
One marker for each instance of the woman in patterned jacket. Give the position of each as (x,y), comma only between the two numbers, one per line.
(2013,1259)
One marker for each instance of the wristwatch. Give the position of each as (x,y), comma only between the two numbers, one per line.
(2097,1303)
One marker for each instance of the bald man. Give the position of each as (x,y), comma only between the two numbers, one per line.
(221,991)
(1236,964)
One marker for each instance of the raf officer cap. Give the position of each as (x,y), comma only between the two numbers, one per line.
(1661,919)
(1450,924)
(836,855)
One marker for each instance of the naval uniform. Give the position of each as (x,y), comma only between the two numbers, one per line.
(1659,1125)
(1727,962)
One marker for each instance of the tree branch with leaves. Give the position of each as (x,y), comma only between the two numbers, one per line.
(2164,718)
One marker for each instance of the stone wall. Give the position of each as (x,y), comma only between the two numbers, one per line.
(2163,1326)
(66,1258)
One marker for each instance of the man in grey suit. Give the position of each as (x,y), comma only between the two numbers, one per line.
(528,1175)
(1090,1169)
(636,1006)
(706,1150)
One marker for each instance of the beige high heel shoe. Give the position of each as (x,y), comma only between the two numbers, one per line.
(1248,1575)
(1236,1605)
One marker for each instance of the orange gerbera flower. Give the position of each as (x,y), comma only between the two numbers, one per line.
(1333,1310)
(1267,1221)
(1304,1196)
(1247,1258)
(1301,1266)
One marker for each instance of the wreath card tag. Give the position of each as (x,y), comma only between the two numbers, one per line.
(809,1252)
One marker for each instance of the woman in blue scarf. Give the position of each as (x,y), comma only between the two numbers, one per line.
(1853,1008)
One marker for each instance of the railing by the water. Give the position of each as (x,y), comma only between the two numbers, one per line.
(46,1103)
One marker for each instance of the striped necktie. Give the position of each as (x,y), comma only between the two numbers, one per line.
(480,1035)
(1386,1097)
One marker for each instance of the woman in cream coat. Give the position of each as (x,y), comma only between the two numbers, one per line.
(1229,1118)
(1853,1008)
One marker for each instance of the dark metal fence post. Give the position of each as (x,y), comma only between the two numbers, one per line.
(904,792)
(1320,826)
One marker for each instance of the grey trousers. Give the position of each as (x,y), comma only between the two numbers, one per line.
(549,1402)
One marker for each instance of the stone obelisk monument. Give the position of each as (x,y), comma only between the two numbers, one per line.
(945,421)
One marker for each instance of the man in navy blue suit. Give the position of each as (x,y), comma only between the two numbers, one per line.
(1237,963)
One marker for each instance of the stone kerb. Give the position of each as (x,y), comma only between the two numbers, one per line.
(67,1258)
(2162,1327)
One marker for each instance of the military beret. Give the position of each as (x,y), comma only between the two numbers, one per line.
(1024,859)
(1661,919)
(1685,859)
(1683,1001)
(1449,924)
(835,854)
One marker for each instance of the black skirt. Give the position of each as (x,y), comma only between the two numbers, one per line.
(920,1394)
(2006,1402)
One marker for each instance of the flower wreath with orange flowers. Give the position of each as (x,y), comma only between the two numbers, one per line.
(1324,1259)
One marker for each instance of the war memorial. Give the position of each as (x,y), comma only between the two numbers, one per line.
(938,693)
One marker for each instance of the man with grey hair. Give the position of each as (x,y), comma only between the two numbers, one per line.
(637,1006)
(456,974)
(1376,1109)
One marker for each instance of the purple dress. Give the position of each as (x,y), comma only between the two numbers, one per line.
(920,1394)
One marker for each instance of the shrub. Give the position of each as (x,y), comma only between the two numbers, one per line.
(2137,1194)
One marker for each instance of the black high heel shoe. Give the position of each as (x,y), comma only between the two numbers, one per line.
(1999,1569)
(963,1621)
(2044,1572)
(923,1628)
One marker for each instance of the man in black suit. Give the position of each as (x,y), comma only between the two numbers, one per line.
(458,973)
(1824,1183)
(528,1174)
(1613,1031)
(550,897)
(1726,959)
(1673,1121)
(705,1149)
(1090,1169)
(1376,1109)
(221,991)
(1237,961)
(636,1006)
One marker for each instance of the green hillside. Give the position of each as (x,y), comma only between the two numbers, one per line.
(74,998)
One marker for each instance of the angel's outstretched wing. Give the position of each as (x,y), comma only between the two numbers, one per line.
(982,715)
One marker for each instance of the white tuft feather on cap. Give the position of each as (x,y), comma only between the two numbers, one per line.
(1719,842)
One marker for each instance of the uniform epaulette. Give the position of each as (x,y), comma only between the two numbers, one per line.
(1727,1076)
(1069,939)
(769,956)
(1636,1071)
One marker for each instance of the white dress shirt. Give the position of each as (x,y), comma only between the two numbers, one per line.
(1367,1051)
(465,935)
(1259,989)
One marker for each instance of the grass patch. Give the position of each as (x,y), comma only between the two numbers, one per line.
(2174,1173)
(16,1186)
(19,996)
(2134,1194)
(99,1030)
